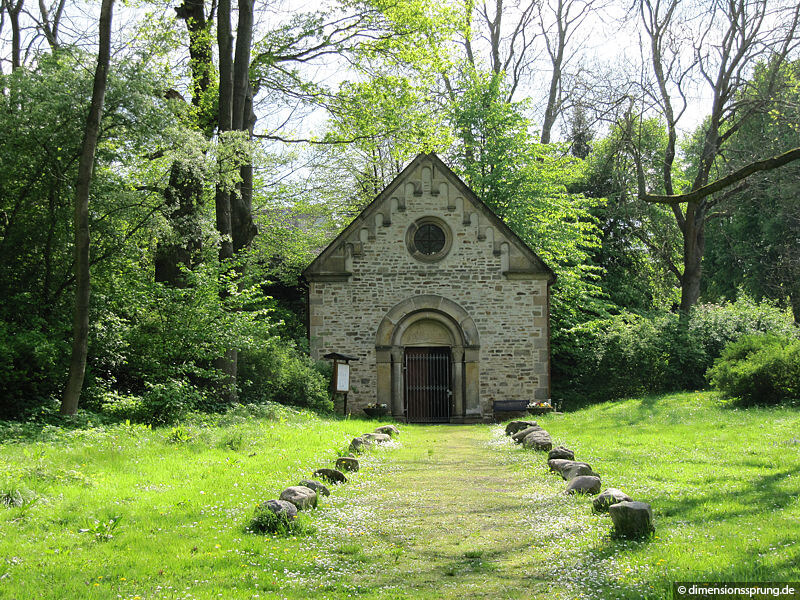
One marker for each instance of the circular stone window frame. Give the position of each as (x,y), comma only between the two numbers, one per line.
(411,245)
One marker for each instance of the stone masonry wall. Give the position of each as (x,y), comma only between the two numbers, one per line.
(510,314)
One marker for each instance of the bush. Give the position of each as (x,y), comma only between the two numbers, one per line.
(162,403)
(123,407)
(759,369)
(266,521)
(169,401)
(32,370)
(631,355)
(280,373)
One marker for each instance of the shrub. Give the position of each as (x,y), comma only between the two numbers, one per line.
(266,521)
(123,407)
(759,369)
(32,369)
(169,401)
(162,403)
(632,355)
(278,372)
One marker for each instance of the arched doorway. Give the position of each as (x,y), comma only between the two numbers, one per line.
(427,359)
(428,384)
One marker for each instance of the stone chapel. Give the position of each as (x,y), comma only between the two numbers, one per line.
(445,308)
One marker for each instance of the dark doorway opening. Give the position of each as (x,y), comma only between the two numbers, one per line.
(428,392)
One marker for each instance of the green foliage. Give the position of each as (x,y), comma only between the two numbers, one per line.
(753,244)
(179,435)
(628,354)
(123,407)
(759,369)
(640,242)
(526,184)
(391,118)
(277,372)
(42,112)
(266,521)
(32,365)
(101,530)
(169,401)
(159,343)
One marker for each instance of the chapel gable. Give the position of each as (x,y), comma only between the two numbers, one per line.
(432,202)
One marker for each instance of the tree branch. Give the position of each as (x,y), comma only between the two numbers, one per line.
(278,138)
(767,164)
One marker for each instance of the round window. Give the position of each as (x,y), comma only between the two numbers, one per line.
(428,239)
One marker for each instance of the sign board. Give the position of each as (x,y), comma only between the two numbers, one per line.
(342,377)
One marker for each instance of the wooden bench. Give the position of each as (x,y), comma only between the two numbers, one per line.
(509,405)
(504,409)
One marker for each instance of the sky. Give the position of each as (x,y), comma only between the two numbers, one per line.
(608,43)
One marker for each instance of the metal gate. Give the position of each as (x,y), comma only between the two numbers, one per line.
(427,385)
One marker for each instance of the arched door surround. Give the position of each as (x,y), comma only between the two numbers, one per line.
(428,321)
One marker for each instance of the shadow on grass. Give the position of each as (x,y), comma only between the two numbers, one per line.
(753,497)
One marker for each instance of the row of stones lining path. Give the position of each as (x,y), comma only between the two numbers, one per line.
(457,512)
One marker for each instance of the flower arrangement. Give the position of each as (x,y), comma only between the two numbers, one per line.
(540,407)
(373,409)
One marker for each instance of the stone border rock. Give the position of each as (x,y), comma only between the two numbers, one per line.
(306,495)
(631,519)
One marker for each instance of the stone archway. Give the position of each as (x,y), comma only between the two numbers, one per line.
(429,320)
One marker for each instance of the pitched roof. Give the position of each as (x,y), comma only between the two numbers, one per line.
(389,190)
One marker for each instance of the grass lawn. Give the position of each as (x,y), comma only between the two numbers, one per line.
(184,495)
(449,512)
(724,484)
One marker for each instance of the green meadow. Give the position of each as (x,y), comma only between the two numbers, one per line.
(129,512)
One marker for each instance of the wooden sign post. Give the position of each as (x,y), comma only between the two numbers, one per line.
(340,381)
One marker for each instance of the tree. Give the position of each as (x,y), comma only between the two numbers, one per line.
(559,21)
(640,253)
(580,133)
(509,37)
(13,9)
(185,191)
(727,39)
(753,240)
(80,329)
(526,184)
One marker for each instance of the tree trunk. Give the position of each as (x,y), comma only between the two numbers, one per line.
(227,364)
(224,120)
(241,65)
(200,60)
(794,298)
(80,327)
(14,11)
(693,250)
(184,194)
(550,111)
(243,228)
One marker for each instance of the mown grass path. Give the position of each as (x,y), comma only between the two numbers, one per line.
(455,512)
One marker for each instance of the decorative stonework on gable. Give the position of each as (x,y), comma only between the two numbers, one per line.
(446,308)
